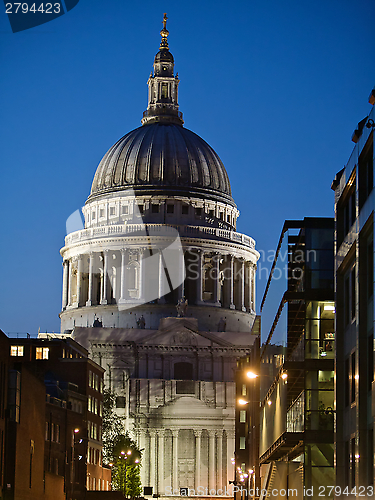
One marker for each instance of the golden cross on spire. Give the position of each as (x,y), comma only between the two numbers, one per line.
(164,33)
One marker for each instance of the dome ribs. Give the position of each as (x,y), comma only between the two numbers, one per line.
(160,154)
(157,157)
(182,163)
(171,158)
(122,149)
(193,159)
(143,160)
(129,167)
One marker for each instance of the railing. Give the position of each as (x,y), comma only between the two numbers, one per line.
(151,229)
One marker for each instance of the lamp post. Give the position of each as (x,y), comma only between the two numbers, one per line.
(72,470)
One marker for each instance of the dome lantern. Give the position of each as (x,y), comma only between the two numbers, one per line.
(163,86)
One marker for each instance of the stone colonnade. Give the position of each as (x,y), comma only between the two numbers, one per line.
(166,468)
(107,277)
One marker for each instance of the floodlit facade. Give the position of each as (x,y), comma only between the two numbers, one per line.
(354,280)
(160,230)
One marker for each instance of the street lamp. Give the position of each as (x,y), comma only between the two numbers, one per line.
(251,375)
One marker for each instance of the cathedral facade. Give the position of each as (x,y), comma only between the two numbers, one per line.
(160,230)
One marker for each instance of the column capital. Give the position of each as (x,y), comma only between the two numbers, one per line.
(175,433)
(198,433)
(211,433)
(160,432)
(152,432)
(123,251)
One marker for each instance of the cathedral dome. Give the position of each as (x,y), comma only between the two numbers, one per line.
(162,157)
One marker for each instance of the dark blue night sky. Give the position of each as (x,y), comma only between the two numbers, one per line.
(276,88)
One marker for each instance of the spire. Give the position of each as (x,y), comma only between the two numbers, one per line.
(163,86)
(164,33)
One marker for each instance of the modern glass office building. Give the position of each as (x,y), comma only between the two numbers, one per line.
(296,444)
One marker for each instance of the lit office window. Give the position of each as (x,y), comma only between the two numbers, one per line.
(242,416)
(16,350)
(42,353)
(242,443)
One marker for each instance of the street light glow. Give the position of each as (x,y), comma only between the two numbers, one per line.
(251,375)
(129,452)
(75,431)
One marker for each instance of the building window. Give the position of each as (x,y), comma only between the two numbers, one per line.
(46,437)
(211,213)
(120,402)
(93,215)
(90,378)
(170,209)
(141,209)
(89,404)
(185,209)
(57,433)
(125,210)
(42,353)
(242,416)
(96,382)
(155,208)
(352,461)
(365,174)
(347,382)
(346,212)
(352,378)
(242,443)
(101,212)
(164,90)
(244,390)
(198,212)
(349,296)
(228,218)
(112,210)
(16,350)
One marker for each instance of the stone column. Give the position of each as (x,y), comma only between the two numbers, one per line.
(216,267)
(162,279)
(198,436)
(219,459)
(104,300)
(141,271)
(253,276)
(231,283)
(65,284)
(181,267)
(91,269)
(242,286)
(230,455)
(123,275)
(69,298)
(160,488)
(152,458)
(211,460)
(249,273)
(143,446)
(175,458)
(199,277)
(79,280)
